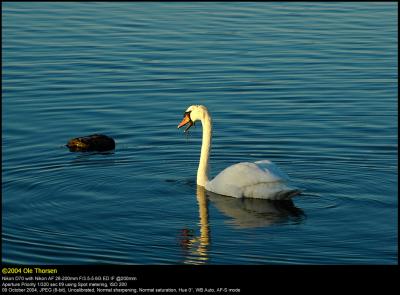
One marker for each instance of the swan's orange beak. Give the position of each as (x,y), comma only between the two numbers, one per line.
(186,120)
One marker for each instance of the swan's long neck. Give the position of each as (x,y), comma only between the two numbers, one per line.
(202,172)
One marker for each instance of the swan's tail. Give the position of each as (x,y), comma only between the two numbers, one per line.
(287,194)
(294,193)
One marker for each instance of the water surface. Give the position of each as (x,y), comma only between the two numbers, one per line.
(310,86)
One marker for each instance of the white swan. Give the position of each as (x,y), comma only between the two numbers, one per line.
(261,180)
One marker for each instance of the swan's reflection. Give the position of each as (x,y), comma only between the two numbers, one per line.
(250,213)
(244,213)
(198,245)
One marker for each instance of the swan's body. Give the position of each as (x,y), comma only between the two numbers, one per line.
(261,179)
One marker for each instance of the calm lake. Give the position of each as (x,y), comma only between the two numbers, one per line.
(309,86)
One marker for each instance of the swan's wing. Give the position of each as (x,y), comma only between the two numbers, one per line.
(235,179)
(273,170)
(246,173)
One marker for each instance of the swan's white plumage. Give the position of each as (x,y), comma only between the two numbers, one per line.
(261,179)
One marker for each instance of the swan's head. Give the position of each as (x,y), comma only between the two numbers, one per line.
(193,114)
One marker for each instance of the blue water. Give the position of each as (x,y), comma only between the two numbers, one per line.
(310,86)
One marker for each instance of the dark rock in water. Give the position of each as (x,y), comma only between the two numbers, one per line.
(94,142)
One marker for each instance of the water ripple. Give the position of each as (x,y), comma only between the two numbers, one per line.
(280,83)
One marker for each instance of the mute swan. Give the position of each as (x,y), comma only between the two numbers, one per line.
(261,179)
